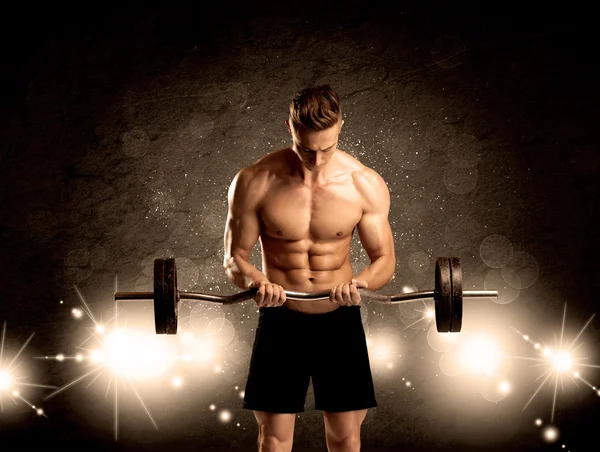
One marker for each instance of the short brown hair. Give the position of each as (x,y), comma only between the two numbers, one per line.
(315,108)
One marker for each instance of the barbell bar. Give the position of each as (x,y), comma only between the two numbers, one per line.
(447,295)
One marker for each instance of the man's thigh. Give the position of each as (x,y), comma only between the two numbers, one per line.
(278,426)
(343,424)
(342,378)
(278,377)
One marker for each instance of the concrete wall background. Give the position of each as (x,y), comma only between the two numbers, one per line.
(123,129)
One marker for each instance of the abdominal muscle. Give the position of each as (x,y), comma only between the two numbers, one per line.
(307,280)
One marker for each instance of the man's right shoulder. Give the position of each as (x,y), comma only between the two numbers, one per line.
(250,183)
(261,169)
(251,175)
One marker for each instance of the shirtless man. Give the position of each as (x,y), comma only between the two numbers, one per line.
(304,203)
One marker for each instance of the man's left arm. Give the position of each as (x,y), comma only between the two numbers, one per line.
(375,232)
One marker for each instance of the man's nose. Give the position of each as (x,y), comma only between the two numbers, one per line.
(316,159)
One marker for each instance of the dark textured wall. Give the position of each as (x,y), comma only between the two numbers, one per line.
(122,129)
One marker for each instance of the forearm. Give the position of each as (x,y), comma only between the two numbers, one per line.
(241,272)
(379,273)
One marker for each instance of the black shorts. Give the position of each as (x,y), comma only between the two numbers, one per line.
(291,347)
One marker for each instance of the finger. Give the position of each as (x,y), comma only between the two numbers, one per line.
(339,295)
(260,295)
(283,297)
(354,295)
(268,294)
(277,296)
(332,295)
(346,293)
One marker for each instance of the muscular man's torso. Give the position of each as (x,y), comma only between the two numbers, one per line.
(306,231)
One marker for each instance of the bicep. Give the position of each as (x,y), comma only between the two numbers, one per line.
(374,227)
(243,225)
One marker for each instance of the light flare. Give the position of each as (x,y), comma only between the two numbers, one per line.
(203,350)
(561,361)
(225,416)
(427,311)
(550,434)
(137,355)
(382,351)
(10,377)
(125,356)
(77,313)
(557,362)
(6,380)
(480,355)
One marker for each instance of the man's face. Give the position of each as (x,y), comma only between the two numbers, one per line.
(315,148)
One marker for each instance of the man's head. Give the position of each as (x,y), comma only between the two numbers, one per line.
(315,122)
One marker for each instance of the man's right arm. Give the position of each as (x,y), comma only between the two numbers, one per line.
(242,228)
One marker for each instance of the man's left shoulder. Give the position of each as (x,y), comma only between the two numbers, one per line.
(367,178)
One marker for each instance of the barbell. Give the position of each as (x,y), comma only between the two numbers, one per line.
(448,295)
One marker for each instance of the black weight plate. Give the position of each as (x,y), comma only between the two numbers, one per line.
(443,295)
(160,316)
(171,296)
(457,295)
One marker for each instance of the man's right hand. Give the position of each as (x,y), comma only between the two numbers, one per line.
(269,295)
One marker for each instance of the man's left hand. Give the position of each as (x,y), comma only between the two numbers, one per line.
(346,294)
